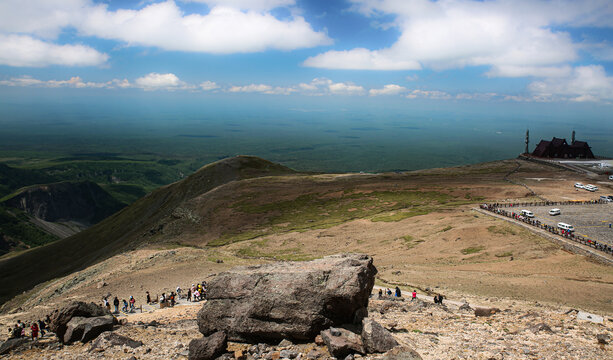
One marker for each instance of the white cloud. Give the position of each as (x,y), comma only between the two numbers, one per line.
(259,5)
(358,59)
(23,50)
(584,83)
(74,82)
(156,81)
(223,30)
(428,94)
(389,89)
(516,38)
(324,86)
(208,85)
(263,89)
(232,26)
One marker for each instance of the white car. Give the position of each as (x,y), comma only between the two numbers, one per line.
(606,198)
(590,187)
(610,177)
(554,212)
(527,213)
(579,186)
(567,227)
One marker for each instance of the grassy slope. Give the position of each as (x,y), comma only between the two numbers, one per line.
(110,236)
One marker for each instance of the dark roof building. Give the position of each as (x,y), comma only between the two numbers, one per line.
(559,148)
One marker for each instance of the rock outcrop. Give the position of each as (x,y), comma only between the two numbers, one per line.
(376,339)
(291,300)
(108,339)
(85,329)
(342,342)
(60,318)
(401,353)
(12,344)
(209,347)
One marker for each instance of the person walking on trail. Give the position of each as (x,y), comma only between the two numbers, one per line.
(148,298)
(132,302)
(196,296)
(414,295)
(34,329)
(116,304)
(380,293)
(398,293)
(189,294)
(179,292)
(106,304)
(42,326)
(125,306)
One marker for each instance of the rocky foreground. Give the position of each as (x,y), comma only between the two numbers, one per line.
(323,313)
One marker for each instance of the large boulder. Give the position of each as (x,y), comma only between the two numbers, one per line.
(376,338)
(401,353)
(61,317)
(86,329)
(342,342)
(288,300)
(12,344)
(209,347)
(108,339)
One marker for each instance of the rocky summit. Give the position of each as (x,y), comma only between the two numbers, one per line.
(291,300)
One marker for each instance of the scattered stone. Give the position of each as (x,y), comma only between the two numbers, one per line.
(285,343)
(375,338)
(465,307)
(86,329)
(581,315)
(208,347)
(486,311)
(536,328)
(319,341)
(602,339)
(61,317)
(293,300)
(342,342)
(108,339)
(12,344)
(314,354)
(101,284)
(401,353)
(288,354)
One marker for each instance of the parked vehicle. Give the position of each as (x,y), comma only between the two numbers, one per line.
(610,177)
(590,187)
(565,227)
(579,185)
(527,213)
(606,198)
(554,212)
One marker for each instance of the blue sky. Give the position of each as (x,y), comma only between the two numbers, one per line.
(496,55)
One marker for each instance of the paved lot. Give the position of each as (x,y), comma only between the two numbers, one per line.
(589,220)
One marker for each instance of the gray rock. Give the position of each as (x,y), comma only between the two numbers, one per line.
(208,347)
(376,339)
(536,328)
(288,354)
(465,307)
(343,344)
(12,344)
(86,329)
(108,339)
(602,339)
(486,311)
(285,343)
(61,317)
(401,353)
(288,300)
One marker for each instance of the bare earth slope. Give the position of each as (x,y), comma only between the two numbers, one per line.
(418,226)
(123,229)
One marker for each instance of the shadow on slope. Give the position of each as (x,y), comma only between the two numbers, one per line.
(117,233)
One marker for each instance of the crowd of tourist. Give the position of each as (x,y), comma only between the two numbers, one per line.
(397,293)
(37,329)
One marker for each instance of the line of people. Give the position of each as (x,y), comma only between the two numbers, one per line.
(36,327)
(438,298)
